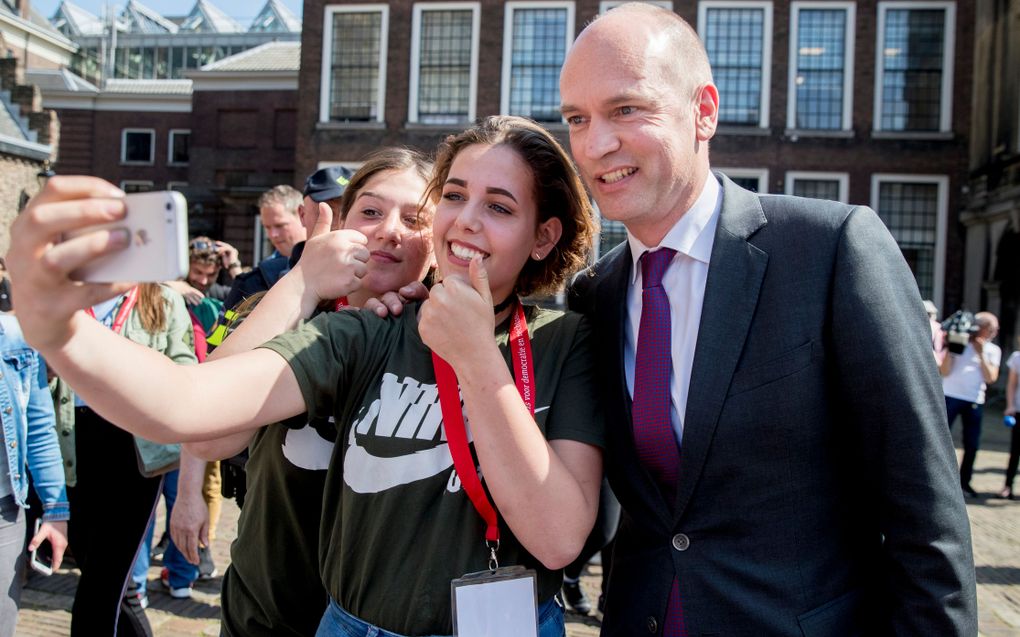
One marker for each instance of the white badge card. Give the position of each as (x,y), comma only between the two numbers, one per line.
(500,603)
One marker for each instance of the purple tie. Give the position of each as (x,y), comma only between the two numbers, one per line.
(653,432)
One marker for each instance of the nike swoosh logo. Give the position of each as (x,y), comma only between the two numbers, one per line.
(365,473)
(538,409)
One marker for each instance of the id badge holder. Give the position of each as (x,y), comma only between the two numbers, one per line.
(496,603)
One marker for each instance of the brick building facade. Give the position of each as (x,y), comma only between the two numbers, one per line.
(244,111)
(991,221)
(222,136)
(809,106)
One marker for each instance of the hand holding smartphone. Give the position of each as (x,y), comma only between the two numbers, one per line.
(42,557)
(157,223)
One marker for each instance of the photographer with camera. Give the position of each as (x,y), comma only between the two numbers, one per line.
(967,372)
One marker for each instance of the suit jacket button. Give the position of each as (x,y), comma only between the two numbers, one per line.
(681,542)
(652,625)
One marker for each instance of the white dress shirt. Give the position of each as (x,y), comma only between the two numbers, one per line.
(684,282)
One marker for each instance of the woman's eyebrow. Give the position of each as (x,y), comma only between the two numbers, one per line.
(501,191)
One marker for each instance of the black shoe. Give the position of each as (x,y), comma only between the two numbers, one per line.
(575,598)
(206,566)
(969,491)
(160,548)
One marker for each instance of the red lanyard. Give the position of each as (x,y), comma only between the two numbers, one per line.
(453,417)
(125,308)
(340,304)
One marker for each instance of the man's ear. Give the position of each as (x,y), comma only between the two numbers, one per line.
(546,237)
(706,112)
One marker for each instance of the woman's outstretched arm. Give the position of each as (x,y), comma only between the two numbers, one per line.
(130,385)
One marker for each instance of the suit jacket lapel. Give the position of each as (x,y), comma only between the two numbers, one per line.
(735,275)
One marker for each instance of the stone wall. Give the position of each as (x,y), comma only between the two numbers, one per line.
(17,179)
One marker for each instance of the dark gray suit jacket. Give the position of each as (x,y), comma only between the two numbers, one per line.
(818,492)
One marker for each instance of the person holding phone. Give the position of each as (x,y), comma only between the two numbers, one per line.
(512,219)
(28,439)
(263,595)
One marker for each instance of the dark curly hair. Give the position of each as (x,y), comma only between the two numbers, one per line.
(558,193)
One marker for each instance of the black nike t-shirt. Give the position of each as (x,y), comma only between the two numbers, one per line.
(272,586)
(397,526)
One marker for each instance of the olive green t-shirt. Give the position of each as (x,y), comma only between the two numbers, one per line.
(272,587)
(396,525)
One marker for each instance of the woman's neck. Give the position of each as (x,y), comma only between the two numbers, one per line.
(504,314)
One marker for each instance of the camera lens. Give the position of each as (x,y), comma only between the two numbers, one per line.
(168,206)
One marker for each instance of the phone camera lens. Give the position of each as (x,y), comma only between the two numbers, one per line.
(168,206)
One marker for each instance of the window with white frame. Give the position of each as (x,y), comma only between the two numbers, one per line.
(137,146)
(821,65)
(738,39)
(914,66)
(915,209)
(606,5)
(354,63)
(136,185)
(818,185)
(444,62)
(536,37)
(753,179)
(178,147)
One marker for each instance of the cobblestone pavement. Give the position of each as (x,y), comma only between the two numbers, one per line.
(995,524)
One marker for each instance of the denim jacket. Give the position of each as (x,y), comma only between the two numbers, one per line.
(30,436)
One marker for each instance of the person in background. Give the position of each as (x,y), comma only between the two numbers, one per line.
(28,444)
(966,377)
(938,335)
(325,185)
(120,476)
(279,212)
(280,215)
(1012,402)
(204,295)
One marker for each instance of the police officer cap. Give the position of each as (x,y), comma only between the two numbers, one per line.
(327,183)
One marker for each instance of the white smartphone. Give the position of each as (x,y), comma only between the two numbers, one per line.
(42,556)
(158,223)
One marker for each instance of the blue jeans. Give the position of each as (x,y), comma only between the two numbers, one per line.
(182,572)
(971,414)
(336,622)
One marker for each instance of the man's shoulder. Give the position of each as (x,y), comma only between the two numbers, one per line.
(804,210)
(607,264)
(582,287)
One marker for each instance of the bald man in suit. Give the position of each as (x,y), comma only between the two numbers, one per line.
(786,469)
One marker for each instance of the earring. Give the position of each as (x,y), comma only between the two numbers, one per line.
(537,256)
